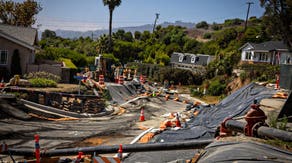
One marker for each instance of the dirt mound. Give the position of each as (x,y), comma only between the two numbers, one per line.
(236,84)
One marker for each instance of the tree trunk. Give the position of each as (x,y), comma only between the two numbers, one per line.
(110,48)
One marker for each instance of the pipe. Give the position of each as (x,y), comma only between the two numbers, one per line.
(262,131)
(193,144)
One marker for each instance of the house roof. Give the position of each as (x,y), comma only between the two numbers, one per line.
(267,46)
(24,36)
(201,58)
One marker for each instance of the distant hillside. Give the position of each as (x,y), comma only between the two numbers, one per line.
(97,33)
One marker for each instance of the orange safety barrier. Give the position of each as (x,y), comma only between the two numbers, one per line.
(280,95)
(165,124)
(197,103)
(176,99)
(166,97)
(147,137)
(185,101)
(98,159)
(101,80)
(171,115)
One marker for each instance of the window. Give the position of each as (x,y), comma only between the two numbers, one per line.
(3,57)
(181,57)
(193,59)
(248,55)
(263,57)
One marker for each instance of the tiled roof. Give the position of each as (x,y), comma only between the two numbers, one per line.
(26,35)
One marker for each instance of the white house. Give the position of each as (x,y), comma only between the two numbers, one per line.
(272,52)
(189,61)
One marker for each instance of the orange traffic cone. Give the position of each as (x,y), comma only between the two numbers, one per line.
(177,123)
(2,83)
(142,117)
(79,157)
(120,152)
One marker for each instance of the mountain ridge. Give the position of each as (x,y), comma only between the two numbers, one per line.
(97,33)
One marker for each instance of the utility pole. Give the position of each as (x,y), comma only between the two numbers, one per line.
(248,3)
(157,16)
(92,36)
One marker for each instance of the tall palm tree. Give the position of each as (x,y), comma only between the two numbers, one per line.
(111,6)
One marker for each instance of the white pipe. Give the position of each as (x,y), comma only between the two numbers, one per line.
(135,140)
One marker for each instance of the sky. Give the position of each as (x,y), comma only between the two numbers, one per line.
(83,15)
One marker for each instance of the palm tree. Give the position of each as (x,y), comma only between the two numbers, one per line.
(111,6)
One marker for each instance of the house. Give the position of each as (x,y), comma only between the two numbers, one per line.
(272,52)
(21,40)
(189,61)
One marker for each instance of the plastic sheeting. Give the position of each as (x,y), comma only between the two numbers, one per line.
(160,156)
(243,152)
(210,117)
(121,93)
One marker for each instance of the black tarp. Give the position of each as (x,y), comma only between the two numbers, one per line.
(243,152)
(121,93)
(210,117)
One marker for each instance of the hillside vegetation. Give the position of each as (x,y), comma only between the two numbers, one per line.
(219,40)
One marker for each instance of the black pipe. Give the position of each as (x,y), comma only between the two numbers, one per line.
(274,133)
(235,125)
(262,131)
(194,144)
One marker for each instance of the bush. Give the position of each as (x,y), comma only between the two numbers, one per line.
(196,93)
(207,36)
(42,82)
(242,76)
(202,24)
(42,74)
(216,88)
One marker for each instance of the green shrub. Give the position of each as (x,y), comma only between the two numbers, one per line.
(216,88)
(42,74)
(207,36)
(242,76)
(196,93)
(42,82)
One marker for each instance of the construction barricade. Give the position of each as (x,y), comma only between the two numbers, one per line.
(101,80)
(121,80)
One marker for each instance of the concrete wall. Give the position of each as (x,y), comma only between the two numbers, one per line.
(285,76)
(26,55)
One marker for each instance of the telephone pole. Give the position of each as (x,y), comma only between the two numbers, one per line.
(248,3)
(157,16)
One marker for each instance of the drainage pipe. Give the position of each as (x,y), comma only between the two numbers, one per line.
(262,131)
(114,148)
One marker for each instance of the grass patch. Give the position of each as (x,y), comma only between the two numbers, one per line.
(280,144)
(68,63)
(210,99)
(42,82)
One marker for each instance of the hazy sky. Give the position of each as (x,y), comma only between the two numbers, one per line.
(92,14)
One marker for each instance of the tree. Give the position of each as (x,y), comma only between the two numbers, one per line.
(48,34)
(278,16)
(112,4)
(202,24)
(20,14)
(137,35)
